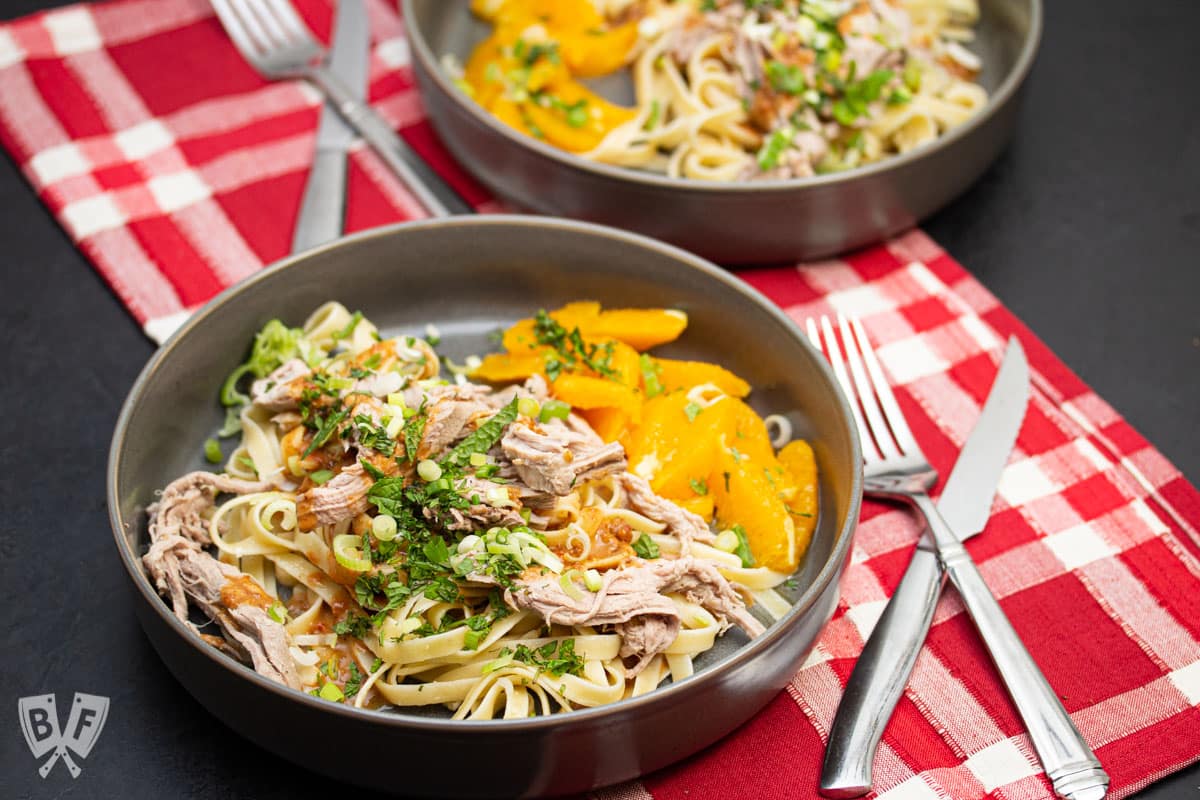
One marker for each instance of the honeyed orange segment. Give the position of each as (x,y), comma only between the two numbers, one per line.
(507,367)
(700,504)
(599,52)
(744,495)
(584,391)
(675,444)
(522,335)
(610,423)
(673,374)
(624,362)
(801,465)
(745,432)
(640,328)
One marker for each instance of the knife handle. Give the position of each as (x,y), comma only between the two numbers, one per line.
(1070,764)
(879,678)
(429,188)
(322,210)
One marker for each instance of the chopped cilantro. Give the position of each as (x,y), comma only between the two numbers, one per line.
(698,486)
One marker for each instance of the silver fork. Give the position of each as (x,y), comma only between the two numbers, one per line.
(276,42)
(896,468)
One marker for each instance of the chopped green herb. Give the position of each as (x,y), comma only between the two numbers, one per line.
(698,486)
(486,435)
(320,476)
(555,658)
(352,625)
(692,410)
(786,78)
(414,429)
(354,682)
(326,429)
(571,348)
(645,547)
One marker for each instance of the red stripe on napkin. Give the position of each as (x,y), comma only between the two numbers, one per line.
(178,171)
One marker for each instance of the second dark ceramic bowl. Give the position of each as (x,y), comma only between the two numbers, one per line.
(730,223)
(471,275)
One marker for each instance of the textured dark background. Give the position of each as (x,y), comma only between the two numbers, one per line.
(1088,228)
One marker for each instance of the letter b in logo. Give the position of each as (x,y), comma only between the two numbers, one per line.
(39,724)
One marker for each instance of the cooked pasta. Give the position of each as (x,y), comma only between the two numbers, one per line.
(384,537)
(731,90)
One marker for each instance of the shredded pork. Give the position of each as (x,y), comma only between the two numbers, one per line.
(180,568)
(629,595)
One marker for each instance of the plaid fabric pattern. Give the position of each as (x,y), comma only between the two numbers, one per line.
(179,171)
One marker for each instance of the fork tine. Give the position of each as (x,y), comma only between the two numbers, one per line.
(232,23)
(285,14)
(833,355)
(866,393)
(265,17)
(249,24)
(891,409)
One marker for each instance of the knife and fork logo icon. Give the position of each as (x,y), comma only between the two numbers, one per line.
(39,724)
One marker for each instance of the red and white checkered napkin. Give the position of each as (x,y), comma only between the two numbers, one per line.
(179,171)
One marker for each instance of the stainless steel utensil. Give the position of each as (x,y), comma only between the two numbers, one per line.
(323,207)
(897,468)
(273,38)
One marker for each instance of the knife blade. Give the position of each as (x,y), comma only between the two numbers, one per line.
(1069,763)
(322,209)
(890,652)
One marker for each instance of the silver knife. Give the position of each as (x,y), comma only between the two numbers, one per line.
(882,671)
(322,211)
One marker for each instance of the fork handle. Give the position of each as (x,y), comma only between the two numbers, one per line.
(879,678)
(1070,764)
(429,188)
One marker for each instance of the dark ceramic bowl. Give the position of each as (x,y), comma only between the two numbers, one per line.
(471,275)
(730,223)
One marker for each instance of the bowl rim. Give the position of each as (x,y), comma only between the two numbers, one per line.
(431,64)
(133,563)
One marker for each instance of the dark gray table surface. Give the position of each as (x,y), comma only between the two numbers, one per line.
(1088,228)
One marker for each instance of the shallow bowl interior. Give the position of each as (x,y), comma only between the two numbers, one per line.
(471,276)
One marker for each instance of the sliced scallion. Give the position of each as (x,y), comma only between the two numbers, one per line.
(429,470)
(348,552)
(384,527)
